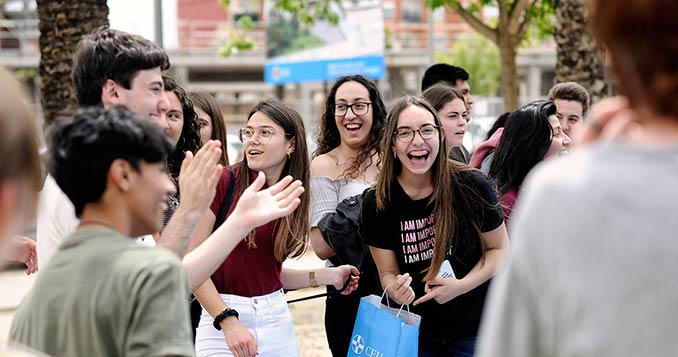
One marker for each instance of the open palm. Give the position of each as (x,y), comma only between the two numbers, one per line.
(257,207)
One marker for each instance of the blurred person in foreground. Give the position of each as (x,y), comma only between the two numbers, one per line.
(20,170)
(603,282)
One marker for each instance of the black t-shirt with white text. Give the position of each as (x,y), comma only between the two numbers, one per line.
(406,227)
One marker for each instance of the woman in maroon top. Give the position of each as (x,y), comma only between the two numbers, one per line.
(244,296)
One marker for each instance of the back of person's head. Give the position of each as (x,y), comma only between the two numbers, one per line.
(111,54)
(500,122)
(640,40)
(443,73)
(18,148)
(524,143)
(571,91)
(208,104)
(83,147)
(440,94)
(190,132)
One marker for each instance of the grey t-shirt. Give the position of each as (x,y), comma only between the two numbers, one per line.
(594,266)
(102,294)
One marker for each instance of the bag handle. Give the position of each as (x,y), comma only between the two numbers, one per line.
(389,305)
(334,292)
(226,203)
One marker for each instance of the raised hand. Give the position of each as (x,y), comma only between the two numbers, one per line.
(441,290)
(199,176)
(256,207)
(611,118)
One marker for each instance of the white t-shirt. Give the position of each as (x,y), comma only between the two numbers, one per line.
(56,220)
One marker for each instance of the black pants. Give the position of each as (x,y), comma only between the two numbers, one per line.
(340,313)
(196,311)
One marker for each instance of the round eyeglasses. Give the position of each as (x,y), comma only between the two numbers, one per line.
(406,135)
(265,134)
(360,108)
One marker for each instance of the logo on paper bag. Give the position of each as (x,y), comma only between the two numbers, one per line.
(357,344)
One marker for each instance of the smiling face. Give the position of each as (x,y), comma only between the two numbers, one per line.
(267,148)
(560,142)
(354,130)
(145,95)
(453,119)
(205,123)
(417,154)
(149,194)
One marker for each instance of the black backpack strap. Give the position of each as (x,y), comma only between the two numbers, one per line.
(226,203)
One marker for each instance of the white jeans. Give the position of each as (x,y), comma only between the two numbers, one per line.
(266,317)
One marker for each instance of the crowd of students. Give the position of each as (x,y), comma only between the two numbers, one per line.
(143,163)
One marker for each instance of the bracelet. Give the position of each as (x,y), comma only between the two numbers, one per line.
(311,278)
(222,316)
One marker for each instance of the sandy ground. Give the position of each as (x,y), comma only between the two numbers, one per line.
(308,315)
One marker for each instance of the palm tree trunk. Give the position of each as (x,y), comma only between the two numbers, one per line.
(578,58)
(62,24)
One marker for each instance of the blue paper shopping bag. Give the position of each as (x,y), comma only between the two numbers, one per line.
(382,331)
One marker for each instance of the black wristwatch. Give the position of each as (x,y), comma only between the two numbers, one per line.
(223,315)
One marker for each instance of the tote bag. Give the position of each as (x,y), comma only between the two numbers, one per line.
(383,331)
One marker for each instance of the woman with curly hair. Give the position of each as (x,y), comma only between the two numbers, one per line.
(184,131)
(345,165)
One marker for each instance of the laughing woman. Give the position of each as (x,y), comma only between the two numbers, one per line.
(244,308)
(426,211)
(346,165)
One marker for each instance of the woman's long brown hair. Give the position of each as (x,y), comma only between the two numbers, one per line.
(291,231)
(447,186)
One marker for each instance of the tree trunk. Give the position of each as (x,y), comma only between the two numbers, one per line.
(62,24)
(578,58)
(509,73)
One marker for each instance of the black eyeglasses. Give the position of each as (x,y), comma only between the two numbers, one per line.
(406,135)
(360,108)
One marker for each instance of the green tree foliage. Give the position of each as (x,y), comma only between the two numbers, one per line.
(478,56)
(507,31)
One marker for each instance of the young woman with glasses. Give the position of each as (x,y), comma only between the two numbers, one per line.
(244,309)
(345,165)
(426,211)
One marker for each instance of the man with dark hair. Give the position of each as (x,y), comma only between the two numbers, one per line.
(144,96)
(103,294)
(453,76)
(572,102)
(110,67)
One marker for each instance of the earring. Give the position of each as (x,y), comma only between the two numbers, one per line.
(395,156)
(289,155)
